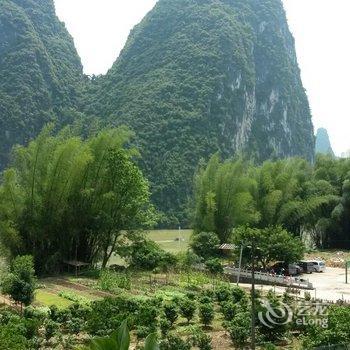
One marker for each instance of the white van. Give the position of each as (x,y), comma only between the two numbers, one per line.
(319,266)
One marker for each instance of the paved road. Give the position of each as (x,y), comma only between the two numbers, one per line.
(329,285)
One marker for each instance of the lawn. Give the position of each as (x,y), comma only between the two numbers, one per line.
(45,298)
(173,241)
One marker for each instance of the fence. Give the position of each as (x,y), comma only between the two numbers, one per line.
(334,347)
(270,278)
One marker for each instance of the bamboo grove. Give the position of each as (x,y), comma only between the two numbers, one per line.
(312,202)
(68,198)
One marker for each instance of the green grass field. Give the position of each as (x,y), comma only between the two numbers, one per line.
(173,241)
(45,298)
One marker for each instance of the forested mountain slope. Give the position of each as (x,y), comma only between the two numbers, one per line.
(40,71)
(200,76)
(323,143)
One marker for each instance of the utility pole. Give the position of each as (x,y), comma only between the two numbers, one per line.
(347,264)
(240,264)
(253,298)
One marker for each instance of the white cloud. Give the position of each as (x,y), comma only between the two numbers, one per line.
(321,29)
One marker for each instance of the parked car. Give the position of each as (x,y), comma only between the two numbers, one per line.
(282,268)
(307,266)
(319,266)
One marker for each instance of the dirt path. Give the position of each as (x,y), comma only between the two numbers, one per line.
(60,282)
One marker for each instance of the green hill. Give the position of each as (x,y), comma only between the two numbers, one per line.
(40,71)
(323,143)
(201,76)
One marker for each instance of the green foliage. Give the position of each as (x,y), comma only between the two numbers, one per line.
(74,297)
(187,259)
(10,338)
(239,329)
(67,198)
(336,331)
(198,75)
(214,266)
(107,314)
(206,313)
(272,244)
(165,327)
(110,281)
(223,293)
(223,198)
(200,339)
(281,327)
(20,282)
(120,340)
(187,309)
(171,312)
(50,329)
(41,75)
(205,244)
(145,254)
(284,193)
(174,342)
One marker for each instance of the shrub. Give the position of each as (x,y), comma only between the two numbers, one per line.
(214,266)
(10,338)
(79,299)
(165,327)
(171,312)
(223,293)
(51,328)
(201,340)
(205,244)
(110,281)
(147,255)
(174,342)
(206,313)
(207,294)
(205,299)
(108,314)
(20,282)
(229,310)
(32,327)
(147,315)
(239,329)
(237,293)
(187,309)
(121,340)
(78,311)
(74,325)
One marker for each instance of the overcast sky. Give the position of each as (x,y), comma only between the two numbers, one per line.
(321,29)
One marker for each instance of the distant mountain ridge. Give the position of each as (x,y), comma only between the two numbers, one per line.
(194,78)
(323,143)
(197,77)
(40,71)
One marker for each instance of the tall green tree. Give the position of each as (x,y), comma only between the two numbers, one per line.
(67,198)
(272,244)
(20,282)
(277,193)
(224,198)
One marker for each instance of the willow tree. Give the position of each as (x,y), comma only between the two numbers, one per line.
(64,197)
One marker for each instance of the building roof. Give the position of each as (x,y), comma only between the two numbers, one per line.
(227,246)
